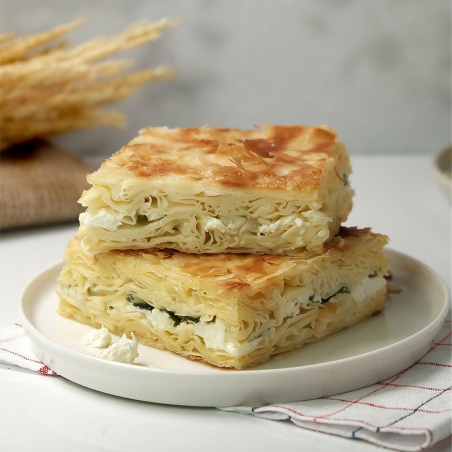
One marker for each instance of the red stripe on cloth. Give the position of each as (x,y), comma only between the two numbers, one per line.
(284,409)
(364,396)
(20,356)
(383,385)
(414,411)
(410,386)
(46,370)
(386,407)
(358,421)
(438,343)
(434,364)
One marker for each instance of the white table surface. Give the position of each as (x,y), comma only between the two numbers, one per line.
(395,194)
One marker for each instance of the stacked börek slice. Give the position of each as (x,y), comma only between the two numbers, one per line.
(223,245)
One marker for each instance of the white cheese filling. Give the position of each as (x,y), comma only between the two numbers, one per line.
(281,225)
(98,338)
(368,287)
(102,219)
(215,224)
(260,225)
(159,319)
(214,333)
(123,351)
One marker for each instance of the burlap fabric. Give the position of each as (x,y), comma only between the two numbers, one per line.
(40,184)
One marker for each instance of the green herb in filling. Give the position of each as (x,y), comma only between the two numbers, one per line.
(132,298)
(341,290)
(258,336)
(138,302)
(141,304)
(178,318)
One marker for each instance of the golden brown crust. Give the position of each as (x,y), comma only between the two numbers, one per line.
(236,272)
(232,310)
(277,157)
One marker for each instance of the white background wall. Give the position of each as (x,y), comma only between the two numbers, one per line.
(378,71)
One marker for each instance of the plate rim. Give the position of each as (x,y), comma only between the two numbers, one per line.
(436,322)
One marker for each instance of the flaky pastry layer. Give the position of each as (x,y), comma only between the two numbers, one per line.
(275,190)
(228,310)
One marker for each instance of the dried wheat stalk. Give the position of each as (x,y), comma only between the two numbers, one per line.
(54,89)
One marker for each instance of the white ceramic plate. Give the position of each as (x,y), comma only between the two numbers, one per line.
(359,356)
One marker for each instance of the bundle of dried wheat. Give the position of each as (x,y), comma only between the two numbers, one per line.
(56,89)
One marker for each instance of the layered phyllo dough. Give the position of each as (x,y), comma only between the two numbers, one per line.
(274,190)
(229,310)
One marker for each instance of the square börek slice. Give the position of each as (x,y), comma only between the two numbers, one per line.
(274,190)
(229,310)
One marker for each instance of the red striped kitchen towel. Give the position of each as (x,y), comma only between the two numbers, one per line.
(15,348)
(410,411)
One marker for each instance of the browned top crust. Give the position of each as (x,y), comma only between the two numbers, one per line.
(239,271)
(289,157)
